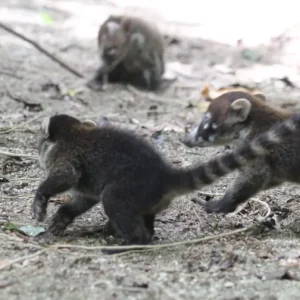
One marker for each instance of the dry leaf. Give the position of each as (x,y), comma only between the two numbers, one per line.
(210,93)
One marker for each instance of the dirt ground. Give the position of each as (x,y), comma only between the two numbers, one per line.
(260,264)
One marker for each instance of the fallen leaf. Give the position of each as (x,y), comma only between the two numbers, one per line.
(210,93)
(11,227)
(31,230)
(26,229)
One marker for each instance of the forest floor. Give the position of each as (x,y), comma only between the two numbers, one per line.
(259,264)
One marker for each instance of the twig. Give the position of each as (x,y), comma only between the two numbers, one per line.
(19,259)
(19,155)
(24,179)
(132,252)
(17,239)
(10,74)
(197,216)
(155,247)
(31,106)
(238,210)
(269,210)
(40,48)
(22,124)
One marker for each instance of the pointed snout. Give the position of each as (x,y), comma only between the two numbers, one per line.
(192,139)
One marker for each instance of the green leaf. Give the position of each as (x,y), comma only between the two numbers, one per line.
(31,230)
(47,18)
(11,227)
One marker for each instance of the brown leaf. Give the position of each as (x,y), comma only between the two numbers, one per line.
(210,93)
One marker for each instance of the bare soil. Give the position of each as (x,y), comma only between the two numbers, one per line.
(260,264)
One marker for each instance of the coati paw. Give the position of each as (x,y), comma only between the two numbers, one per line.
(108,229)
(96,85)
(39,207)
(141,238)
(59,224)
(217,206)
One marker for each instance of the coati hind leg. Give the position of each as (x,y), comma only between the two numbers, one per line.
(248,182)
(69,211)
(148,220)
(124,216)
(149,223)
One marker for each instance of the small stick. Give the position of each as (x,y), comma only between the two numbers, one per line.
(22,124)
(10,74)
(40,48)
(18,239)
(19,259)
(19,155)
(269,210)
(155,247)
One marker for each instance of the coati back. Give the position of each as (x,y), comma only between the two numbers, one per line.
(131,51)
(234,117)
(240,116)
(125,173)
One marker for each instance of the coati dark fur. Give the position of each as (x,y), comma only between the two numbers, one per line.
(131,51)
(125,173)
(239,116)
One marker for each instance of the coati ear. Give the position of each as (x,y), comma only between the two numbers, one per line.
(45,126)
(242,108)
(260,96)
(89,123)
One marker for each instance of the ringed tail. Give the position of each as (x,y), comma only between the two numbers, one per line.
(195,177)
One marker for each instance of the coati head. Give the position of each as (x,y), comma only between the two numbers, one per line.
(226,119)
(113,37)
(54,128)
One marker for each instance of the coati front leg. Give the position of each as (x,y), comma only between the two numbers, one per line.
(66,214)
(60,179)
(99,81)
(103,76)
(247,183)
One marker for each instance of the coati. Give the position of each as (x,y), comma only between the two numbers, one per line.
(131,51)
(125,173)
(234,117)
(239,116)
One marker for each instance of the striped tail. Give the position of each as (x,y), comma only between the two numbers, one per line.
(195,177)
